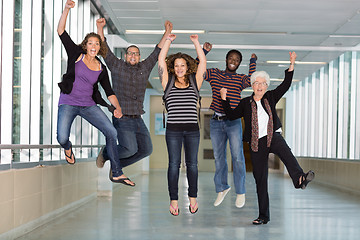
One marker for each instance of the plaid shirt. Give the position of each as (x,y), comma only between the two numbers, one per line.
(129,82)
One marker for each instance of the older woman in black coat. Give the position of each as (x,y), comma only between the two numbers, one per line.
(263,133)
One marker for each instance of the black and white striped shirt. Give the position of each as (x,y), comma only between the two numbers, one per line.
(182,109)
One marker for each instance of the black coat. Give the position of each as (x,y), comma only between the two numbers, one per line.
(244,107)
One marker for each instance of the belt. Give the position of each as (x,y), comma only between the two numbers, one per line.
(132,116)
(219,118)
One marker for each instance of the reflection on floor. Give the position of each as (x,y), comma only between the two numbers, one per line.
(143,213)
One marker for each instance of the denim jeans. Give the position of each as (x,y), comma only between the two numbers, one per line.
(134,140)
(96,117)
(174,142)
(220,132)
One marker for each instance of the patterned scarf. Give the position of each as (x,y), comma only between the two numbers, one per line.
(255,125)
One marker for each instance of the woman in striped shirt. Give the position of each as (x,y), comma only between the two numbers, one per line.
(182,124)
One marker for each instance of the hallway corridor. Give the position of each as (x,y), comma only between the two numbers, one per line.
(142,213)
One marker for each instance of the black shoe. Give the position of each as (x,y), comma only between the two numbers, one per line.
(308,177)
(260,221)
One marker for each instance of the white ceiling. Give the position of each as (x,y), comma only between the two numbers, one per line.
(269,28)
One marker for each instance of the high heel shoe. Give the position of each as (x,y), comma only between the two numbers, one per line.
(308,177)
(260,221)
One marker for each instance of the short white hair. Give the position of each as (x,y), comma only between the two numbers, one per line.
(261,74)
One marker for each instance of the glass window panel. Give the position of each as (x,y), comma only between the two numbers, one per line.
(17,78)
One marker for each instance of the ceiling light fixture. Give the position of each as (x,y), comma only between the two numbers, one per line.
(297,62)
(162,31)
(344,36)
(247,32)
(281,79)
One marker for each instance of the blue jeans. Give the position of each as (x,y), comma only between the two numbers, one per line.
(134,140)
(174,142)
(96,117)
(220,132)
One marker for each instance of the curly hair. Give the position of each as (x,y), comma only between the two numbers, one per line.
(103,49)
(190,62)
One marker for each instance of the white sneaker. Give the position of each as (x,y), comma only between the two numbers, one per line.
(240,200)
(221,196)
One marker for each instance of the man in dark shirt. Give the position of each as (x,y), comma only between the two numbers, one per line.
(129,79)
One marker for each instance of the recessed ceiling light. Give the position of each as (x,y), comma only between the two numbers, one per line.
(162,31)
(297,62)
(281,79)
(344,36)
(247,32)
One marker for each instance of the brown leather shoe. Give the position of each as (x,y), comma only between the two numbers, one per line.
(100,160)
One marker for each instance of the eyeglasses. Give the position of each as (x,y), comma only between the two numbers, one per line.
(260,84)
(133,53)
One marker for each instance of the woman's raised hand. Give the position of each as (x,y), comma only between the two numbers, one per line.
(100,23)
(69,4)
(292,57)
(168,26)
(194,37)
(171,37)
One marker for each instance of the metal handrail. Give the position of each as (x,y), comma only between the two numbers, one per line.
(19,147)
(41,146)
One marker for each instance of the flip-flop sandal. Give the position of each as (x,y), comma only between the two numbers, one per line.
(175,209)
(123,181)
(192,207)
(69,157)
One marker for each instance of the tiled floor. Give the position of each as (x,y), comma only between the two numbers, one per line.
(142,213)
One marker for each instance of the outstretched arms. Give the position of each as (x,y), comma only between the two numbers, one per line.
(201,70)
(162,67)
(62,22)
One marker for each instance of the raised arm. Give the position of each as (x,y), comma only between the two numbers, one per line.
(168,28)
(62,22)
(280,90)
(206,49)
(100,24)
(111,60)
(292,61)
(252,65)
(162,67)
(201,70)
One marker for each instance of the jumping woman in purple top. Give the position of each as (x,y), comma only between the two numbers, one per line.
(80,94)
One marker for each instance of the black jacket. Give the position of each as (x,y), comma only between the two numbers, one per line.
(244,107)
(73,51)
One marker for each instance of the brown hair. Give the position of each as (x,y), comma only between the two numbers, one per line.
(190,62)
(103,49)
